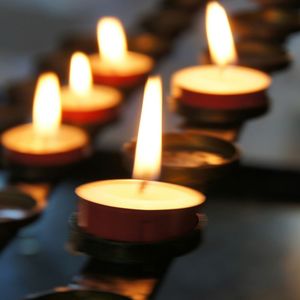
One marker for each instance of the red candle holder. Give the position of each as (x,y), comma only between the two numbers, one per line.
(192,159)
(149,44)
(120,223)
(94,111)
(42,165)
(214,107)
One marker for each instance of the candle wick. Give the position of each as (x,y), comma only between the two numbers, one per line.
(142,186)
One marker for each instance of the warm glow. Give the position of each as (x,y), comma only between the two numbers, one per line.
(80,74)
(47,106)
(219,36)
(147,162)
(111,40)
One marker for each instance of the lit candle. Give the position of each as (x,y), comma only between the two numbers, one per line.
(115,65)
(45,142)
(221,86)
(85,103)
(140,209)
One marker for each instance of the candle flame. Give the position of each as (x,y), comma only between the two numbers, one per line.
(80,74)
(111,40)
(219,35)
(46,116)
(147,162)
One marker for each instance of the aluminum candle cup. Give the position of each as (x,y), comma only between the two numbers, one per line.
(149,44)
(137,211)
(257,55)
(192,159)
(217,96)
(16,211)
(31,158)
(102,105)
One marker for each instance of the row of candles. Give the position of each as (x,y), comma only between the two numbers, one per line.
(46,142)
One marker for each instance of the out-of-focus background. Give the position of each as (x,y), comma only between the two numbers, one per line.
(33,27)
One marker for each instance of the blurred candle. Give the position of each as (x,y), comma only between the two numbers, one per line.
(114,65)
(85,103)
(45,141)
(140,209)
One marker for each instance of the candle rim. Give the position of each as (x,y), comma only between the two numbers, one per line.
(183,72)
(199,198)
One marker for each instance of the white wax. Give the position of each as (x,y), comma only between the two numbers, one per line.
(126,193)
(98,98)
(132,64)
(212,79)
(23,139)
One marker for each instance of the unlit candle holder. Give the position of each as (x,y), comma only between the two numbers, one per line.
(132,269)
(192,159)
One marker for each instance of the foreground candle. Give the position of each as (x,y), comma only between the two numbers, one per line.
(84,103)
(140,210)
(203,91)
(45,142)
(115,65)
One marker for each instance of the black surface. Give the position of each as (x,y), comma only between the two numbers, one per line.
(250,250)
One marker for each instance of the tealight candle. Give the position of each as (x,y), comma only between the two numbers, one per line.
(84,103)
(45,142)
(115,65)
(202,92)
(140,210)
